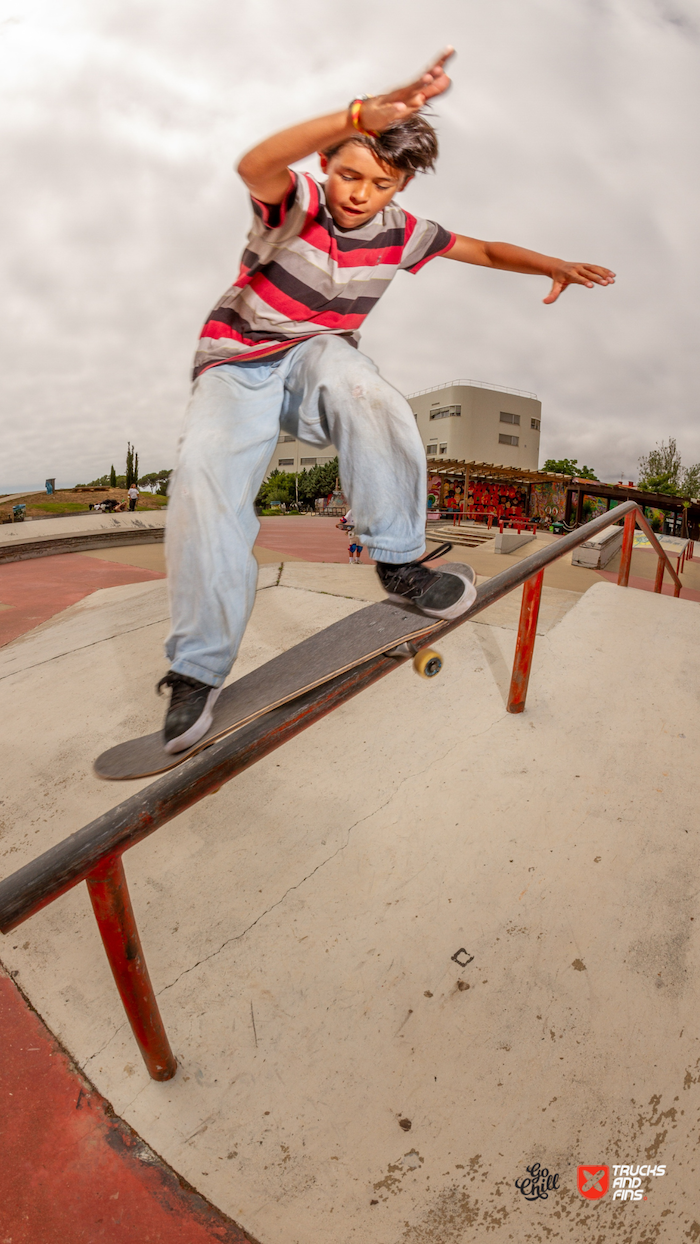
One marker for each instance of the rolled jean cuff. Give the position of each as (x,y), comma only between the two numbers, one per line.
(198,672)
(393,558)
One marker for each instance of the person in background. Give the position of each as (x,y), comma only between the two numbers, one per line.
(347,523)
(133,495)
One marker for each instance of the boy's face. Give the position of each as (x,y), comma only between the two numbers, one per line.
(358,186)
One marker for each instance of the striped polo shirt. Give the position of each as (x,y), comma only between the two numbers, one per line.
(301,275)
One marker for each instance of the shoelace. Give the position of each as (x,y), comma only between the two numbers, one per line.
(416,575)
(183,687)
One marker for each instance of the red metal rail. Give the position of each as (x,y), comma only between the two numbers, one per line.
(93,854)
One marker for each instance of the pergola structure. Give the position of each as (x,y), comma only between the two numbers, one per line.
(491,472)
(576,489)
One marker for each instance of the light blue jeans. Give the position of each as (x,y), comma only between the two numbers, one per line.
(321,391)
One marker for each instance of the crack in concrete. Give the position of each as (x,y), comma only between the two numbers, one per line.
(127,1106)
(103,1047)
(375,811)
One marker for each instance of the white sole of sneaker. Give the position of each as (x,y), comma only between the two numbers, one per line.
(200,727)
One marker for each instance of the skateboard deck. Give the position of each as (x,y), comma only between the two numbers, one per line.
(369,632)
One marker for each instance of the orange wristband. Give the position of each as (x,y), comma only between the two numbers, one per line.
(355,109)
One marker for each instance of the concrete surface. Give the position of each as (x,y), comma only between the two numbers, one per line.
(508,541)
(643,566)
(599,550)
(342,1078)
(152,556)
(80,524)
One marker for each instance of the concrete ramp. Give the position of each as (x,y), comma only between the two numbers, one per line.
(425,946)
(42,537)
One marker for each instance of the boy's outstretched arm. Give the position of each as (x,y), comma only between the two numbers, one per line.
(265,169)
(517,259)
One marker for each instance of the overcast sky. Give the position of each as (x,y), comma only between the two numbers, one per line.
(572,128)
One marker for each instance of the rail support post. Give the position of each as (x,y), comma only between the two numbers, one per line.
(111,903)
(623,574)
(527,630)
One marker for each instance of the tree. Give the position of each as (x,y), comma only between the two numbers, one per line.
(112,477)
(156,481)
(283,487)
(163,479)
(569,466)
(660,470)
(690,484)
(132,465)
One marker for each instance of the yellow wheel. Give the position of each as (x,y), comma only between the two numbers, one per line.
(427,663)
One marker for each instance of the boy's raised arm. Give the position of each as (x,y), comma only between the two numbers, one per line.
(265,169)
(517,259)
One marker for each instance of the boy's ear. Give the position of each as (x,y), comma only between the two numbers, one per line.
(409,177)
(324,161)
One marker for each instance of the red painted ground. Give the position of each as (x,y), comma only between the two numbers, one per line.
(313,539)
(72,1173)
(37,589)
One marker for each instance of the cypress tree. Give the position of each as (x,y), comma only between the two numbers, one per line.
(113,477)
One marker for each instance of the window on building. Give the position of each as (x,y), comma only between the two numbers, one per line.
(535,425)
(506,418)
(431,450)
(308,461)
(443,449)
(285,462)
(284,440)
(504,439)
(446,412)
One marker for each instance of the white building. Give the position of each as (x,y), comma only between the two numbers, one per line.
(471,421)
(294,456)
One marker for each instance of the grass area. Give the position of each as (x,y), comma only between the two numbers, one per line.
(66,501)
(60,507)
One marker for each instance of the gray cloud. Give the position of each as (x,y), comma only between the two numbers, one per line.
(570,128)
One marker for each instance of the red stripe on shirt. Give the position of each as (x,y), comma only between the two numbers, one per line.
(433,254)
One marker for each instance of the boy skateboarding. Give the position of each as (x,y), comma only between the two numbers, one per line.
(280,352)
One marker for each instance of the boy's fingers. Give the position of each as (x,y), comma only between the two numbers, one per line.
(557,287)
(432,81)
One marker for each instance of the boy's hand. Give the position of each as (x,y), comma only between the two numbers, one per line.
(587,274)
(381,111)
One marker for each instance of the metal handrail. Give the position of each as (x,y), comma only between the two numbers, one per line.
(93,853)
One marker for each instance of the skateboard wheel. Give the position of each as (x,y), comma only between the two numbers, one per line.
(427,663)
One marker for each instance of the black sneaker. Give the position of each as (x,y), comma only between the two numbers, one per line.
(190,713)
(444,593)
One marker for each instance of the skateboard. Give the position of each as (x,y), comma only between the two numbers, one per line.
(383,628)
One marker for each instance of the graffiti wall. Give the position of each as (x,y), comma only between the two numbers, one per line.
(453,494)
(434,490)
(504,499)
(548,502)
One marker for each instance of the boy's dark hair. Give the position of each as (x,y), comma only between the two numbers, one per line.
(411,146)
